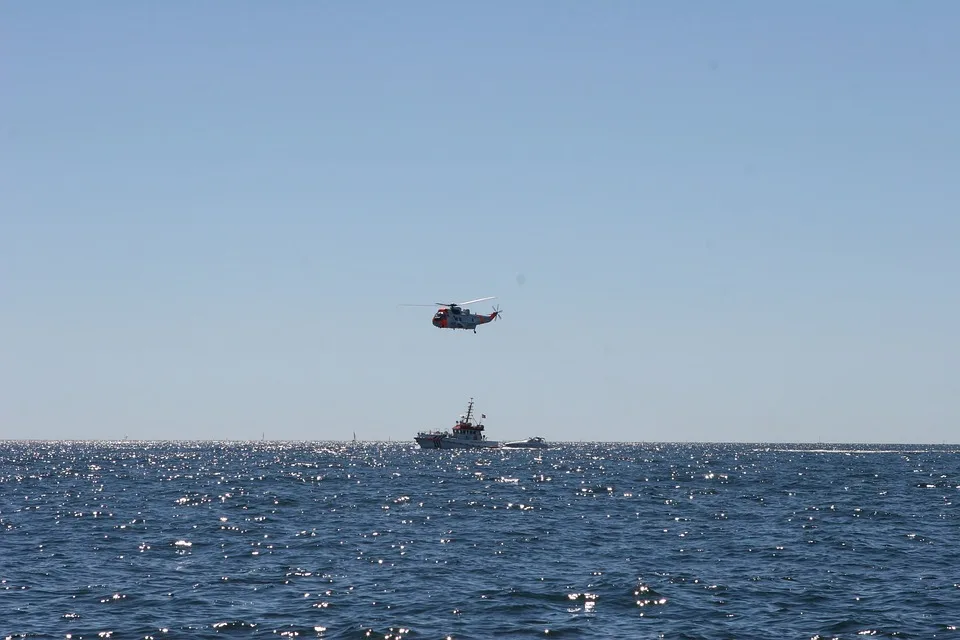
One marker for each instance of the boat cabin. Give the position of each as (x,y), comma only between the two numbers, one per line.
(466,431)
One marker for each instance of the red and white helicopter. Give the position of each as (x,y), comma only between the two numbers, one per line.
(454,316)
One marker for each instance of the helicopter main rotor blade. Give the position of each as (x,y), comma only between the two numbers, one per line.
(448,304)
(477,300)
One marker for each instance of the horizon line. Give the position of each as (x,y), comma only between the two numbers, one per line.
(348,440)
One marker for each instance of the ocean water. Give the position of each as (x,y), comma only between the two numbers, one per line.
(384,540)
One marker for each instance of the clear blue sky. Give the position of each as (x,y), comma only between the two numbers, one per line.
(735,221)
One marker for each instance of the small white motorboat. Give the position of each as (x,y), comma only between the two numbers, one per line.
(530,443)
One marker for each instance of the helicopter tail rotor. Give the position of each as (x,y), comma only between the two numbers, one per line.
(497,313)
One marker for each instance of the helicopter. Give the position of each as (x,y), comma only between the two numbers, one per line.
(455,316)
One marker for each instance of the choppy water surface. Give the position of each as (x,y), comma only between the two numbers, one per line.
(383,540)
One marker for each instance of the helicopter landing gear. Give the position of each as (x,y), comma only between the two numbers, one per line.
(474,330)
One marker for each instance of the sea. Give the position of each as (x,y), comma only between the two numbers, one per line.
(385,540)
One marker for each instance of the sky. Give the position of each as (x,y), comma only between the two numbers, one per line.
(703,221)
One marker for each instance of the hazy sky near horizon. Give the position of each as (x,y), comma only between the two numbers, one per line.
(704,221)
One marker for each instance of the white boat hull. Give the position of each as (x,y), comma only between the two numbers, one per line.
(446,442)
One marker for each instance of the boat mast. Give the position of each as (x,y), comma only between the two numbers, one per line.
(469,411)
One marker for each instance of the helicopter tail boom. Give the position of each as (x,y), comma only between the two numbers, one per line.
(493,316)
